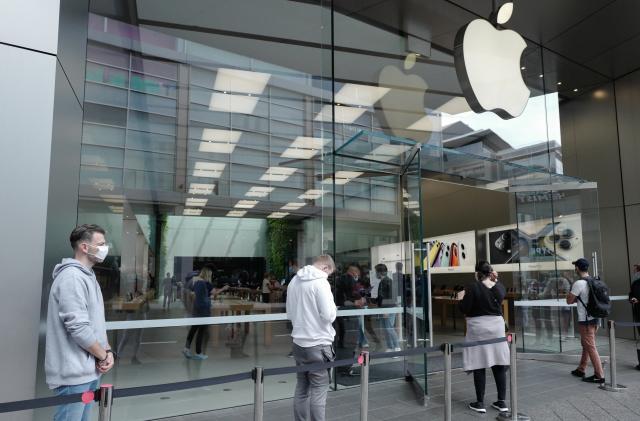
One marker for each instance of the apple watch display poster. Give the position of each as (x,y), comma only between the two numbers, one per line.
(451,253)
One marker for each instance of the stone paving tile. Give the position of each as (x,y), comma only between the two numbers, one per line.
(546,391)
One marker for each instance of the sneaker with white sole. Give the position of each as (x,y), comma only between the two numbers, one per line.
(500,406)
(200,357)
(187,353)
(478,407)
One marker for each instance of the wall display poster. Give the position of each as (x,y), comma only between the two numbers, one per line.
(453,252)
(537,241)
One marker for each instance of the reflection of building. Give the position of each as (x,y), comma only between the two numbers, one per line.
(199,133)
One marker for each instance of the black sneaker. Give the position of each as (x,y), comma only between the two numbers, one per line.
(500,406)
(577,373)
(638,367)
(594,379)
(478,407)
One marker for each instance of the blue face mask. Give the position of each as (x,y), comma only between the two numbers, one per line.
(636,276)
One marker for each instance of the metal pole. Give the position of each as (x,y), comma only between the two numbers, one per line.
(364,385)
(613,386)
(258,394)
(446,350)
(106,402)
(513,386)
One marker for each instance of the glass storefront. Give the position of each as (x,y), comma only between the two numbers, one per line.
(253,135)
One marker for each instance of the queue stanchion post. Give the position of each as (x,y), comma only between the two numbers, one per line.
(446,351)
(106,402)
(613,386)
(363,360)
(513,414)
(258,394)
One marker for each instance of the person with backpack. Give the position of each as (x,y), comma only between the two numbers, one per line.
(634,299)
(588,294)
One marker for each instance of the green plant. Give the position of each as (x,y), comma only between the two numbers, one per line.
(280,245)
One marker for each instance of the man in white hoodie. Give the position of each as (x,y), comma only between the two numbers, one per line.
(311,309)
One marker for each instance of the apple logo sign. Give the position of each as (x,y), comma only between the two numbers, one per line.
(487,62)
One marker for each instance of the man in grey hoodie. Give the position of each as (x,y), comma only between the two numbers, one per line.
(77,351)
(311,309)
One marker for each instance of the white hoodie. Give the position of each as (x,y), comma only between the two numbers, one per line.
(311,308)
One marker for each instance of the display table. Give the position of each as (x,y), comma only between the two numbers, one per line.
(230,306)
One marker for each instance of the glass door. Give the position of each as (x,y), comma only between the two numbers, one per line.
(387,171)
(556,225)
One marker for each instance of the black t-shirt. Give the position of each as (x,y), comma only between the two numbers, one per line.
(481,301)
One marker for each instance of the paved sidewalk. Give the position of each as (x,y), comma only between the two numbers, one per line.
(546,392)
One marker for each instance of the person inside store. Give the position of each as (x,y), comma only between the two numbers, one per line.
(266,286)
(344,297)
(167,289)
(587,325)
(203,291)
(386,299)
(634,299)
(311,310)
(362,293)
(481,303)
(77,351)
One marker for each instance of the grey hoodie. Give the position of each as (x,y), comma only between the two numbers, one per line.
(75,321)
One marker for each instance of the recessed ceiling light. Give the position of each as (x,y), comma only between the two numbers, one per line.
(540,75)
(294,153)
(236,213)
(277,174)
(246,204)
(575,89)
(346,115)
(559,83)
(293,206)
(258,191)
(201,188)
(343,177)
(219,141)
(412,204)
(243,81)
(386,153)
(192,212)
(196,201)
(208,169)
(363,95)
(227,103)
(312,194)
(523,68)
(278,215)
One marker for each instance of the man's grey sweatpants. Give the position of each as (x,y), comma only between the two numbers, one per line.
(312,387)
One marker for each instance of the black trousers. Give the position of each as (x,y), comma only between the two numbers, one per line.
(500,376)
(200,330)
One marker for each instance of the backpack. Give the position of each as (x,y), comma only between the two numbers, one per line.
(599,304)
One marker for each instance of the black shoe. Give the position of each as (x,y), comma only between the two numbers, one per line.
(638,367)
(594,379)
(478,407)
(500,406)
(578,373)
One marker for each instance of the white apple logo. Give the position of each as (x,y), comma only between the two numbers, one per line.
(487,63)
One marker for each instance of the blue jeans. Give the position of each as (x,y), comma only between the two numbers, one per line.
(74,411)
(390,334)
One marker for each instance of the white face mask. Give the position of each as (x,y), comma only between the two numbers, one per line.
(101,254)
